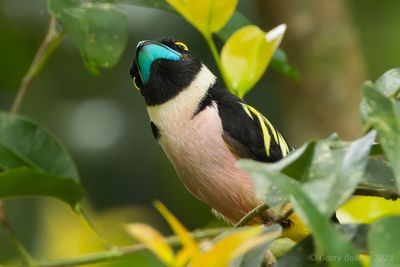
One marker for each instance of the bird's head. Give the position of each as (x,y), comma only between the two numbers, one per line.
(162,69)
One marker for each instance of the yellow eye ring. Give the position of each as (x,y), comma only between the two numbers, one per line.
(135,84)
(182,45)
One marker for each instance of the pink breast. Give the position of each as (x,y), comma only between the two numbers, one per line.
(207,167)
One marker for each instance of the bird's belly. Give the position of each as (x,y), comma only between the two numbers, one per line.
(207,167)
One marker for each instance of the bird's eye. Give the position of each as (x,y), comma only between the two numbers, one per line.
(135,84)
(182,45)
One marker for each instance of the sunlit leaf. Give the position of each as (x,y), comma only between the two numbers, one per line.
(153,240)
(381,114)
(208,16)
(233,245)
(246,55)
(383,240)
(34,162)
(100,30)
(362,209)
(189,244)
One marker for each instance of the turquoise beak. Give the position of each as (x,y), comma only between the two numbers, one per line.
(149,51)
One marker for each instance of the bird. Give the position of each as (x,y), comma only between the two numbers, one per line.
(204,130)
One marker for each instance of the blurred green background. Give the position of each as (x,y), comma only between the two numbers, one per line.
(102,120)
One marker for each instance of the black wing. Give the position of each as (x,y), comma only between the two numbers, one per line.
(247,132)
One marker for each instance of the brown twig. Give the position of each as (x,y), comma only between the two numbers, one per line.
(377,192)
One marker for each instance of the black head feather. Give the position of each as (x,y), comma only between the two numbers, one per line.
(167,77)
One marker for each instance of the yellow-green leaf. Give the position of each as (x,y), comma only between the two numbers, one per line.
(207,16)
(189,244)
(153,240)
(232,246)
(246,55)
(361,209)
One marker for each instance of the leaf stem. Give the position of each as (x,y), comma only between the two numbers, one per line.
(85,219)
(48,45)
(11,234)
(119,252)
(214,51)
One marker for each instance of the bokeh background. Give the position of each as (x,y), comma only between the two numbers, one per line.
(103,123)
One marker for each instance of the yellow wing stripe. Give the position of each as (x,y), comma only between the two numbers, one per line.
(265,125)
(247,111)
(255,111)
(284,147)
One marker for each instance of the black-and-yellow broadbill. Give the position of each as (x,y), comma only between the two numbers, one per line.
(204,130)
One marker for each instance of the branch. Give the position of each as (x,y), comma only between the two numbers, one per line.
(116,253)
(252,214)
(377,192)
(50,42)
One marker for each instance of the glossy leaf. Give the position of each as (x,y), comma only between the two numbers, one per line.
(383,240)
(100,30)
(381,114)
(29,182)
(190,248)
(23,143)
(208,16)
(233,245)
(328,239)
(34,162)
(153,240)
(246,55)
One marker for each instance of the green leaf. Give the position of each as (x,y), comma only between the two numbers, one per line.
(328,239)
(27,152)
(208,16)
(157,4)
(28,182)
(383,240)
(100,30)
(303,254)
(329,171)
(246,55)
(335,173)
(389,83)
(25,144)
(381,114)
(280,63)
(378,175)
